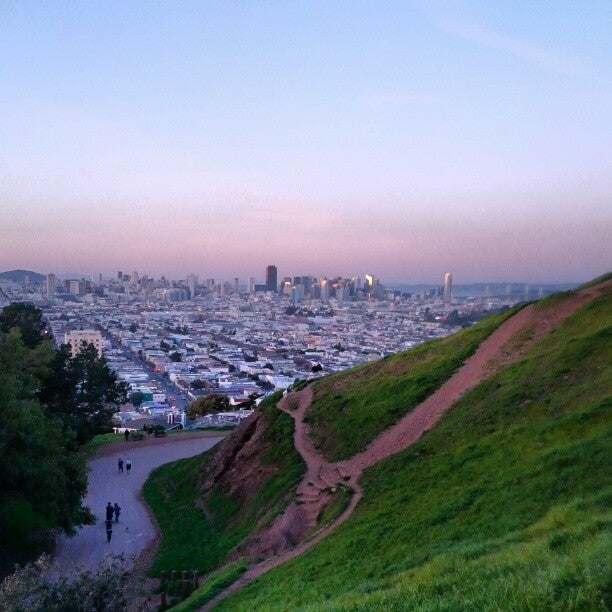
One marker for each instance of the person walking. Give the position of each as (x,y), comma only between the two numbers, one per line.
(117,509)
(110,511)
(126,435)
(120,465)
(128,465)
(109,530)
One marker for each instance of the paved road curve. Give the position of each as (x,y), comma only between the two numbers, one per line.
(134,530)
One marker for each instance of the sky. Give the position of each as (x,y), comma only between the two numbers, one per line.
(400,139)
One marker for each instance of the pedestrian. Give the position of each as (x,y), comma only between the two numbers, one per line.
(109,511)
(128,465)
(120,465)
(109,530)
(117,509)
(126,435)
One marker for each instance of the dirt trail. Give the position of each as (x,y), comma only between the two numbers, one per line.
(503,347)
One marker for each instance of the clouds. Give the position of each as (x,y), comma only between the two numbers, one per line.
(455,19)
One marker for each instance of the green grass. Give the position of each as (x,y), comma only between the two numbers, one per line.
(338,504)
(351,408)
(211,586)
(505,505)
(195,540)
(101,440)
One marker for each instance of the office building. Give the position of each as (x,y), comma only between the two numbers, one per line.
(51,285)
(448,287)
(271,279)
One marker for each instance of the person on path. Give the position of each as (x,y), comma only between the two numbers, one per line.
(120,465)
(109,530)
(128,465)
(109,511)
(117,509)
(126,435)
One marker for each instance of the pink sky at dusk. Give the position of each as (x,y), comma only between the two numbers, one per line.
(400,140)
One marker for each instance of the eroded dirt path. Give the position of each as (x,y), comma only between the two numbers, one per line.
(504,346)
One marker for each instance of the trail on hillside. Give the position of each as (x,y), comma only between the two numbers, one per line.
(503,347)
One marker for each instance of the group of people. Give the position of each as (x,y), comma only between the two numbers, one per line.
(111,511)
(128,465)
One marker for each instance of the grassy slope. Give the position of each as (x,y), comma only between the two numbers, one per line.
(193,542)
(351,408)
(504,505)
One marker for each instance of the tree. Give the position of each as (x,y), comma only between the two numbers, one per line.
(197,384)
(136,398)
(83,391)
(28,319)
(134,327)
(43,478)
(207,404)
(176,356)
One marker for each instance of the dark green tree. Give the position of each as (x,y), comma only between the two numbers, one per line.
(176,356)
(136,398)
(28,319)
(83,391)
(207,404)
(43,479)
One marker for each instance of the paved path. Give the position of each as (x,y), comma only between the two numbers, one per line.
(135,529)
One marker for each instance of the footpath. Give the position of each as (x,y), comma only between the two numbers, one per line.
(135,530)
(504,346)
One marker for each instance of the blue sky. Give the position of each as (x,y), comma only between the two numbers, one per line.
(403,139)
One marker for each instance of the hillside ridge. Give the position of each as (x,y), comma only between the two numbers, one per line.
(503,347)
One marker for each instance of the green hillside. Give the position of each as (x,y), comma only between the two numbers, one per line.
(505,504)
(200,530)
(367,399)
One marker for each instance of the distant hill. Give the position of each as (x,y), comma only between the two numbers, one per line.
(19,276)
(504,503)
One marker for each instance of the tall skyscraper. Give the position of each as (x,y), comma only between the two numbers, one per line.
(448,287)
(192,283)
(51,285)
(251,285)
(271,279)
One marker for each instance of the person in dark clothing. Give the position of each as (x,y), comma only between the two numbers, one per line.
(126,435)
(110,511)
(120,465)
(117,509)
(109,530)
(128,465)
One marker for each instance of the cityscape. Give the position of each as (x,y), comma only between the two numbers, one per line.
(175,341)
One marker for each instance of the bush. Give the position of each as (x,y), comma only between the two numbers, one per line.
(36,587)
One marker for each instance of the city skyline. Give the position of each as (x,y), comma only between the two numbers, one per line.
(402,140)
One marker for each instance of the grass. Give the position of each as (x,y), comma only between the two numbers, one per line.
(504,505)
(197,540)
(211,586)
(101,440)
(351,408)
(338,504)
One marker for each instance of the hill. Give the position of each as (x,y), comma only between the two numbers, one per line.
(499,499)
(19,276)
